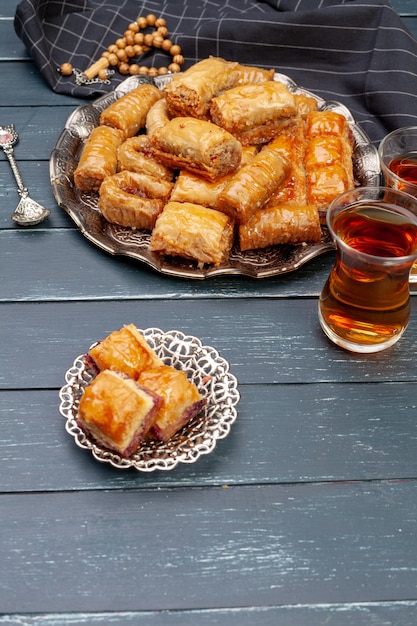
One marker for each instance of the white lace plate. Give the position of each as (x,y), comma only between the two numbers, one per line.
(203,365)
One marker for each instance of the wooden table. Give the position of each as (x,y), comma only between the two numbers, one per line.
(305,514)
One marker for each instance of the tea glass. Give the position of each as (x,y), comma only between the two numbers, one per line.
(400,144)
(365,303)
(395,152)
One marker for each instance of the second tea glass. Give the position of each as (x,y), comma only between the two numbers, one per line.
(398,158)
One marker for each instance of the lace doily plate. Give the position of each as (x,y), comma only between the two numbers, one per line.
(204,366)
(118,240)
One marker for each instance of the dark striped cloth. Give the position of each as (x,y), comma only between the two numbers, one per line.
(357,52)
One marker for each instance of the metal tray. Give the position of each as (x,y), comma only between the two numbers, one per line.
(118,240)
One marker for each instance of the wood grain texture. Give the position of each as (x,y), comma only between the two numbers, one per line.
(353,614)
(75,269)
(282,344)
(39,128)
(284,434)
(322,543)
(404,7)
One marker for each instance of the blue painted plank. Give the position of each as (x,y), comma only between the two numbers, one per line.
(175,549)
(62,256)
(284,434)
(275,341)
(353,614)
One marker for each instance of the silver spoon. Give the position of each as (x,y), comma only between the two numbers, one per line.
(28,212)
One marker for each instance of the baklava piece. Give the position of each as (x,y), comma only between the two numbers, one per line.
(325,151)
(291,144)
(193,232)
(328,161)
(136,155)
(190,93)
(325,183)
(157,117)
(98,158)
(254,114)
(129,112)
(117,411)
(327,123)
(280,225)
(125,350)
(189,187)
(133,200)
(305,104)
(197,146)
(252,185)
(181,400)
(249,74)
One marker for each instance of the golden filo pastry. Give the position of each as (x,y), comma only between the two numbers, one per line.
(133,199)
(291,143)
(198,146)
(190,187)
(248,74)
(98,158)
(157,116)
(325,183)
(135,154)
(327,123)
(124,350)
(305,104)
(293,190)
(117,411)
(190,93)
(129,112)
(252,185)
(181,400)
(282,224)
(193,232)
(328,158)
(324,150)
(254,113)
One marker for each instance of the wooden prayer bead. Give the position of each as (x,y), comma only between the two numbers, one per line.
(174,68)
(124,68)
(157,41)
(148,40)
(66,69)
(151,19)
(166,45)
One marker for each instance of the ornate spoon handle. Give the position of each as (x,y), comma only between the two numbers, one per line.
(28,212)
(8,150)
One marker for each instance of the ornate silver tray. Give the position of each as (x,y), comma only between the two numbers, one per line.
(117,240)
(204,366)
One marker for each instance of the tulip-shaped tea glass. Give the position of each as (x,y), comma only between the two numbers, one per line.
(365,304)
(398,158)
